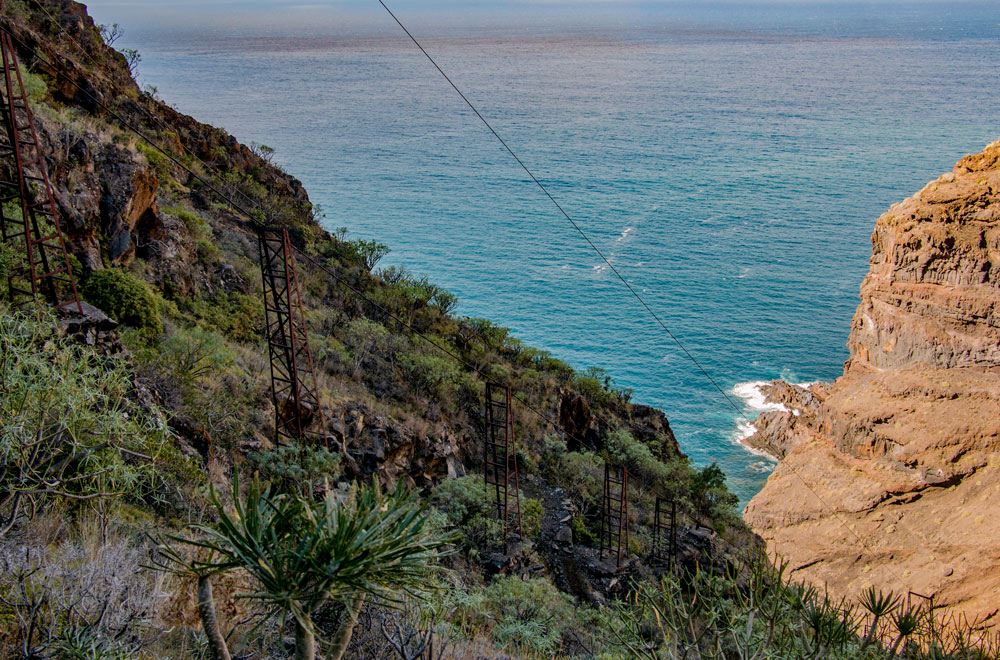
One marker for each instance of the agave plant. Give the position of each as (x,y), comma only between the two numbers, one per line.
(878,605)
(907,621)
(301,554)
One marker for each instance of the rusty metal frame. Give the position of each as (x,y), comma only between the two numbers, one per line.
(500,460)
(614,512)
(293,380)
(665,531)
(48,261)
(928,599)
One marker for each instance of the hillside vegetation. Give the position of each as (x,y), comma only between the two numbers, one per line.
(145,511)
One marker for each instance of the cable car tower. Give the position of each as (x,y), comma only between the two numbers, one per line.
(293,379)
(29,220)
(500,461)
(614,512)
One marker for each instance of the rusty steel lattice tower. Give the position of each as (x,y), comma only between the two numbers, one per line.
(665,530)
(29,222)
(500,464)
(293,381)
(614,511)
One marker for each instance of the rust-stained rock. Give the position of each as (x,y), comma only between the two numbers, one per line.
(891,476)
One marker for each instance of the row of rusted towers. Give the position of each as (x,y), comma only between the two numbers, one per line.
(500,470)
(30,229)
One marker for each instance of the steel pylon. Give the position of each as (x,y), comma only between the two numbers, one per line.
(29,220)
(293,380)
(614,512)
(500,461)
(665,530)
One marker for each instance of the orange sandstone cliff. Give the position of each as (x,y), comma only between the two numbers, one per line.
(891,475)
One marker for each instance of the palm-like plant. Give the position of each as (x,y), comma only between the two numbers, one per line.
(878,605)
(907,621)
(300,554)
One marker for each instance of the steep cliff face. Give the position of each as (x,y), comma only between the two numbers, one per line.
(932,291)
(891,475)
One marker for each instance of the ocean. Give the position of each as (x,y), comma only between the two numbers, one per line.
(730,159)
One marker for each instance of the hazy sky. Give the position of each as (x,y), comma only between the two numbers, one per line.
(157,14)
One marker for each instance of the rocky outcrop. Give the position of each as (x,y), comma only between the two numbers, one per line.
(394,450)
(106,182)
(891,475)
(585,431)
(931,294)
(779,431)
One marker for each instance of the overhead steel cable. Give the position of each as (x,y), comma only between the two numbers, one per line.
(224,197)
(238,207)
(256,203)
(566,215)
(631,289)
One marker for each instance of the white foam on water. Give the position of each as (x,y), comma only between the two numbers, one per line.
(754,398)
(625,233)
(744,429)
(756,402)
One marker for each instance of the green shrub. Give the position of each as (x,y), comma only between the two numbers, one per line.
(491,335)
(437,376)
(238,316)
(208,252)
(419,302)
(710,495)
(444,301)
(668,478)
(366,339)
(300,466)
(9,261)
(532,615)
(62,405)
(196,225)
(581,474)
(468,504)
(160,164)
(207,380)
(531,516)
(193,354)
(595,385)
(368,253)
(469,507)
(582,532)
(35,86)
(124,298)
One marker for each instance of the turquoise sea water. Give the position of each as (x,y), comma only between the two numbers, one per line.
(730,159)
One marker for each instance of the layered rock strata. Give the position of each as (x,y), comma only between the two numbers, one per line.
(891,475)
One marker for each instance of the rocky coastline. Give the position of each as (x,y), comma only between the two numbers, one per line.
(889,476)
